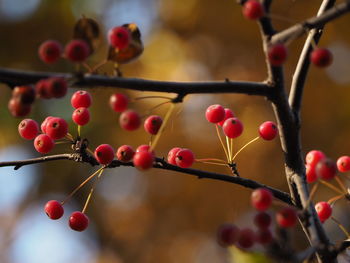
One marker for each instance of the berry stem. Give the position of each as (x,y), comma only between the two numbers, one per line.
(151,97)
(341,184)
(91,192)
(79,130)
(341,227)
(250,142)
(211,159)
(331,186)
(228,148)
(97,66)
(222,143)
(312,193)
(155,107)
(334,199)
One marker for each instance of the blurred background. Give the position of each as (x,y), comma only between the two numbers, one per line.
(160,216)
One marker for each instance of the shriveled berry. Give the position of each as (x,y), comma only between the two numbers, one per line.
(50,51)
(253,10)
(130,120)
(172,155)
(81,98)
(321,57)
(261,199)
(119,102)
(184,158)
(246,238)
(77,50)
(215,113)
(286,217)
(104,154)
(18,109)
(343,164)
(232,127)
(143,160)
(311,175)
(264,236)
(56,128)
(28,129)
(78,221)
(125,153)
(314,156)
(262,220)
(54,209)
(42,89)
(57,87)
(324,211)
(81,116)
(277,54)
(44,124)
(119,37)
(326,169)
(268,130)
(152,124)
(43,143)
(25,94)
(227,235)
(228,114)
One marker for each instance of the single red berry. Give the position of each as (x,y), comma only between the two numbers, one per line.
(44,124)
(215,113)
(104,154)
(277,54)
(326,169)
(253,10)
(228,114)
(50,51)
(227,235)
(25,94)
(119,37)
(118,102)
(262,220)
(314,156)
(246,238)
(42,89)
(311,175)
(264,236)
(145,148)
(184,158)
(18,109)
(56,128)
(125,153)
(81,116)
(54,209)
(261,199)
(343,164)
(324,211)
(268,130)
(286,217)
(57,87)
(143,160)
(130,120)
(172,155)
(232,127)
(81,98)
(152,124)
(78,221)
(321,57)
(43,143)
(28,129)
(77,50)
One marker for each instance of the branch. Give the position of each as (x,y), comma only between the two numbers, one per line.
(16,77)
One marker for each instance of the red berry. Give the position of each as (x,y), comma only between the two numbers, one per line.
(119,37)
(215,113)
(311,175)
(228,114)
(57,87)
(25,94)
(326,169)
(54,209)
(104,154)
(18,109)
(314,156)
(277,54)
(143,160)
(287,217)
(262,220)
(50,51)
(28,129)
(130,120)
(44,124)
(321,57)
(78,221)
(172,155)
(343,164)
(56,128)
(81,98)
(77,50)
(264,236)
(324,210)
(125,153)
(42,89)
(144,148)
(261,199)
(246,238)
(268,130)
(81,116)
(43,143)
(184,158)
(253,10)
(118,102)
(227,235)
(232,127)
(152,124)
